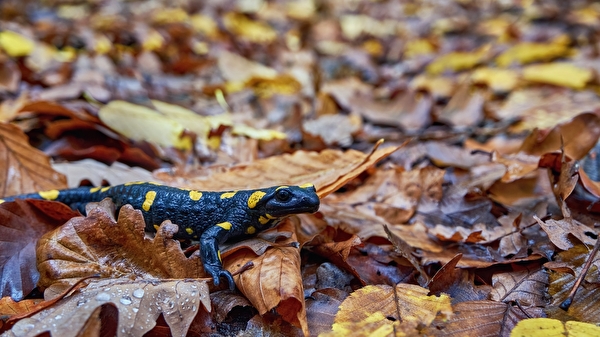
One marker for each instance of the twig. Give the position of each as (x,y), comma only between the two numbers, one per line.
(567,302)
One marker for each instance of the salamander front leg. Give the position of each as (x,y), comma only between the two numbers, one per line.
(211,256)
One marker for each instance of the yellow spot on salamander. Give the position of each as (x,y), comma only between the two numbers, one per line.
(104,189)
(49,195)
(225,225)
(95,189)
(263,220)
(251,230)
(195,195)
(134,183)
(1,201)
(219,256)
(280,187)
(255,198)
(149,200)
(269,216)
(156,227)
(189,231)
(306,185)
(153,183)
(227,195)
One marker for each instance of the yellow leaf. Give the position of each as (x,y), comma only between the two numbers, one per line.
(170,15)
(528,52)
(282,84)
(408,301)
(562,74)
(204,24)
(437,86)
(189,119)
(15,44)
(549,327)
(102,44)
(253,31)
(418,47)
(141,123)
(499,80)
(260,134)
(458,61)
(153,41)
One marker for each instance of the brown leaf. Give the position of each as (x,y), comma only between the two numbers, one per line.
(275,281)
(465,108)
(374,264)
(559,230)
(583,308)
(97,244)
(525,285)
(139,304)
(321,307)
(24,169)
(23,223)
(97,173)
(409,111)
(458,283)
(481,318)
(328,171)
(577,136)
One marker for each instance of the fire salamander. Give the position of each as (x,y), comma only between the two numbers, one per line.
(210,217)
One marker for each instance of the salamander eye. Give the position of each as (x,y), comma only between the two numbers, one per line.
(283,195)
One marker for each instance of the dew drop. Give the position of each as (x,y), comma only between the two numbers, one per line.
(194,308)
(138,293)
(102,297)
(58,317)
(22,329)
(135,309)
(106,289)
(125,300)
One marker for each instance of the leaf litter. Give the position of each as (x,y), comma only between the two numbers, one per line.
(474,217)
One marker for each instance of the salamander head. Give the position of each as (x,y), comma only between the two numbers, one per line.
(282,201)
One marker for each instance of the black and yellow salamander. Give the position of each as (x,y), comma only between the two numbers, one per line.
(210,217)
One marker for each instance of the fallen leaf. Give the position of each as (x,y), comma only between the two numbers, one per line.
(408,304)
(482,318)
(97,173)
(562,74)
(15,44)
(23,223)
(140,123)
(527,52)
(543,327)
(559,232)
(525,285)
(138,303)
(24,169)
(275,282)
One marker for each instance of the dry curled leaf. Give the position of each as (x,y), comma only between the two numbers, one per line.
(275,281)
(97,244)
(24,169)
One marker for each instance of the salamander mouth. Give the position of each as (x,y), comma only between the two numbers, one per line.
(308,208)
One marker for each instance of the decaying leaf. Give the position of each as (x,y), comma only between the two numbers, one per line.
(139,304)
(526,286)
(275,281)
(23,168)
(23,222)
(97,173)
(542,327)
(97,244)
(408,305)
(482,318)
(327,170)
